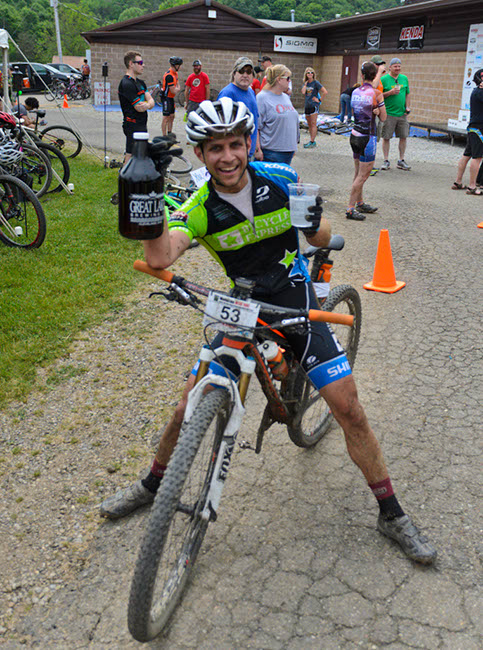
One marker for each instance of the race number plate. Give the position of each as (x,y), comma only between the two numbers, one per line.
(229,313)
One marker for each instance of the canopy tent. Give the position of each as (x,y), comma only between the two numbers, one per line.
(4,49)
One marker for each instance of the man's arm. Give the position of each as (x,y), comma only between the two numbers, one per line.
(322,237)
(207,91)
(380,110)
(165,250)
(186,95)
(408,101)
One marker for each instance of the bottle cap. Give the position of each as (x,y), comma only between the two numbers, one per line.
(140,135)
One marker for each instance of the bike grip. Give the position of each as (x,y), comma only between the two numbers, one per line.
(161,274)
(331,317)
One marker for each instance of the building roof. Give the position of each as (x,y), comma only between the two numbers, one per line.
(282,24)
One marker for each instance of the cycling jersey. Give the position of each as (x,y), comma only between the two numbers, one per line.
(271,255)
(363,101)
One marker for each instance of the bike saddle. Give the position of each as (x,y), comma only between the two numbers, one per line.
(40,112)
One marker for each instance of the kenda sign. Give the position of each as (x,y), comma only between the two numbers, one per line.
(300,44)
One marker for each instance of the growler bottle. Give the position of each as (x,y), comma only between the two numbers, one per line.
(141,194)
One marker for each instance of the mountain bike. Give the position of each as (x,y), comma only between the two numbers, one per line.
(22,219)
(68,141)
(189,495)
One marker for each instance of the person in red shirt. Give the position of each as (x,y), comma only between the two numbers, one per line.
(256,87)
(265,62)
(197,87)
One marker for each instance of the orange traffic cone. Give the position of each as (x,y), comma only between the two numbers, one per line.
(480,225)
(65,104)
(384,278)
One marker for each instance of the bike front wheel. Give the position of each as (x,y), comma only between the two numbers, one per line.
(175,528)
(22,220)
(63,138)
(313,417)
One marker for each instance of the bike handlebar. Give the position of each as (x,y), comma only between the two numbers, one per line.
(311,314)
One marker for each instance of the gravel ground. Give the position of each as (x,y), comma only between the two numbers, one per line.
(90,425)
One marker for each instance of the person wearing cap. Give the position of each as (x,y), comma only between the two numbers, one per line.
(240,91)
(197,87)
(381,69)
(170,87)
(398,106)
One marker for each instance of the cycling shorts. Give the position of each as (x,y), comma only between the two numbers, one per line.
(364,147)
(310,110)
(318,351)
(168,106)
(474,145)
(129,129)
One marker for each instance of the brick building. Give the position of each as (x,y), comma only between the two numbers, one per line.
(430,37)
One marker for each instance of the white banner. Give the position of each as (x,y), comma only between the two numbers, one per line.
(474,61)
(301,44)
(102,96)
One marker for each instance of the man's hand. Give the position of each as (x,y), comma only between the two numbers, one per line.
(376,111)
(314,217)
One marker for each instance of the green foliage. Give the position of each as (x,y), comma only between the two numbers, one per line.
(31,22)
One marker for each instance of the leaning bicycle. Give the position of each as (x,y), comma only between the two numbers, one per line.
(189,497)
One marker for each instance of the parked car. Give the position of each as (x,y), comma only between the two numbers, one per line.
(39,75)
(67,69)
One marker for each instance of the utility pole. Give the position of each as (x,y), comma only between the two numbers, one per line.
(55,5)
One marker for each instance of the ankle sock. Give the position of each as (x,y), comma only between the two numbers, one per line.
(388,504)
(153,479)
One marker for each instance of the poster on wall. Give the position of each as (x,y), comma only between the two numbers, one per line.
(373,38)
(301,44)
(474,61)
(411,37)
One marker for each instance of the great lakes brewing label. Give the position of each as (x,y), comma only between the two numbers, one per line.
(146,209)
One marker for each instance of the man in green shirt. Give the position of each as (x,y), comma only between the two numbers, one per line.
(398,102)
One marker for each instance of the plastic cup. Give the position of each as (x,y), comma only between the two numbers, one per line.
(302,196)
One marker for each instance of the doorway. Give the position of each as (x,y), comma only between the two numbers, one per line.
(350,71)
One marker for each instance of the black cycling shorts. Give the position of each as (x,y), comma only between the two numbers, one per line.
(129,129)
(168,106)
(318,351)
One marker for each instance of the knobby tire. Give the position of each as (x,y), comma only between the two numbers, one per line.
(175,529)
(37,165)
(63,138)
(313,418)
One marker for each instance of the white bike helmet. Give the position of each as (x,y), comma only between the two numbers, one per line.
(217,119)
(10,152)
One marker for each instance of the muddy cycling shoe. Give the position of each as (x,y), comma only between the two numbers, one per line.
(411,540)
(126,501)
(365,207)
(355,215)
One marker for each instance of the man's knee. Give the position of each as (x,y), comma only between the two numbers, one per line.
(342,398)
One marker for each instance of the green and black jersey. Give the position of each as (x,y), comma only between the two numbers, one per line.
(271,255)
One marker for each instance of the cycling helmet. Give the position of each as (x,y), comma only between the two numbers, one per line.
(7,121)
(175,60)
(196,62)
(220,118)
(478,77)
(10,152)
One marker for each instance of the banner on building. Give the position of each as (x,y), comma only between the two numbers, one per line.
(411,37)
(300,44)
(474,61)
(373,39)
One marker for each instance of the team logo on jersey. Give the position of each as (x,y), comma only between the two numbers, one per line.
(262,193)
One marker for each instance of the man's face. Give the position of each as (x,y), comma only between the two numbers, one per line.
(266,64)
(197,69)
(395,69)
(137,66)
(226,159)
(244,78)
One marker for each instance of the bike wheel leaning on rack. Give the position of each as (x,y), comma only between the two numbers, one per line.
(176,529)
(59,164)
(36,166)
(22,220)
(63,138)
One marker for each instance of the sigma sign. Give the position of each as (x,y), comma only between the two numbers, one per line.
(299,44)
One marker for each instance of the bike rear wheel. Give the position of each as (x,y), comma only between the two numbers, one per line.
(59,164)
(22,220)
(313,418)
(175,528)
(36,165)
(63,138)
